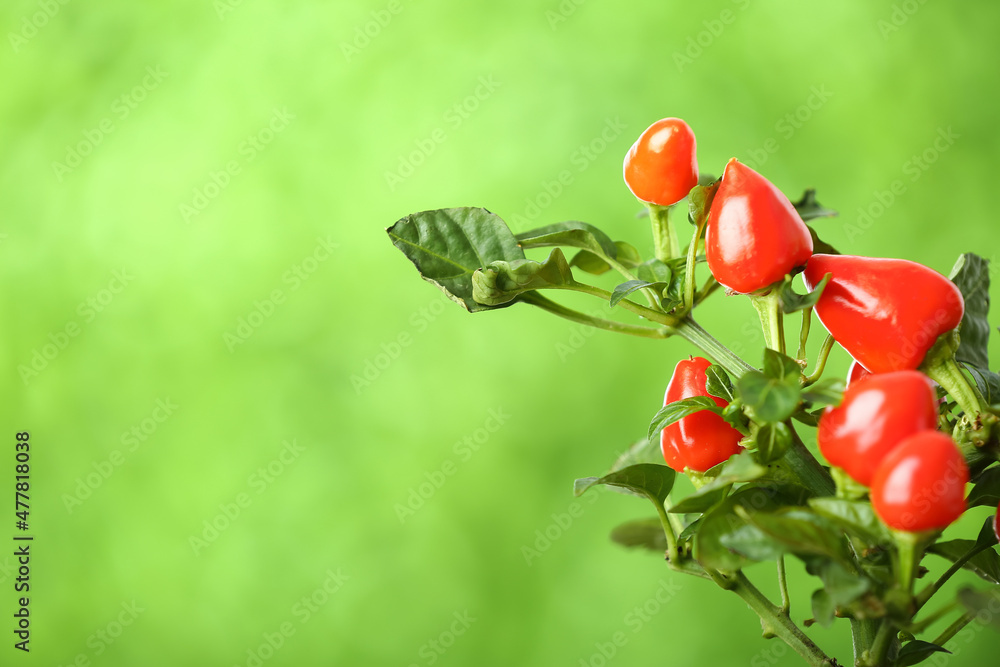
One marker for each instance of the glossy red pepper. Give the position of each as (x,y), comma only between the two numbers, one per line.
(856,372)
(702,440)
(754,235)
(875,416)
(920,485)
(662,165)
(887,313)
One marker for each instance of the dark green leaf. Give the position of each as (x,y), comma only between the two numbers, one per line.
(733,414)
(792,302)
(843,586)
(778,366)
(856,517)
(982,603)
(771,400)
(644,479)
(677,410)
(772,440)
(801,531)
(971,275)
(623,290)
(987,489)
(448,245)
(916,652)
(828,391)
(571,233)
(501,282)
(689,531)
(808,208)
(645,533)
(719,383)
(752,542)
(699,502)
(723,520)
(987,382)
(823,609)
(985,564)
(819,245)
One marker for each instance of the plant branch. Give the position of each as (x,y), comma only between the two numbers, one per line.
(935,586)
(768,308)
(691,263)
(824,354)
(536,299)
(953,629)
(786,604)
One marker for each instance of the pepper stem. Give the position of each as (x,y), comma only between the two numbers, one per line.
(940,366)
(665,244)
(768,306)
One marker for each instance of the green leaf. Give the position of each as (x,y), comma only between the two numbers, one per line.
(987,382)
(700,201)
(571,233)
(792,302)
(733,414)
(823,609)
(501,282)
(689,531)
(916,652)
(986,490)
(699,502)
(722,520)
(590,263)
(655,271)
(772,441)
(644,479)
(821,246)
(623,290)
(448,245)
(771,400)
(739,469)
(808,208)
(971,275)
(677,410)
(801,531)
(982,603)
(645,533)
(752,542)
(628,255)
(778,366)
(985,564)
(719,384)
(828,391)
(843,586)
(856,517)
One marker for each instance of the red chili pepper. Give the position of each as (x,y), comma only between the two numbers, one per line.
(887,313)
(875,416)
(754,235)
(704,439)
(920,485)
(662,165)
(856,372)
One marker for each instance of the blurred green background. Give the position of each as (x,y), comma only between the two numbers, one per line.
(193,198)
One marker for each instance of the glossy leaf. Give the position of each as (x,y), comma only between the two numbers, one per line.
(623,290)
(972,276)
(700,201)
(856,517)
(792,302)
(677,410)
(655,271)
(719,384)
(772,440)
(752,542)
(644,479)
(771,400)
(986,491)
(916,652)
(448,245)
(709,549)
(778,366)
(590,263)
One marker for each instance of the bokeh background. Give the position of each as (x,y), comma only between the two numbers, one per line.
(210,337)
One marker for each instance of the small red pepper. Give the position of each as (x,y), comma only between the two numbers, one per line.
(875,416)
(662,165)
(754,235)
(704,439)
(920,485)
(887,313)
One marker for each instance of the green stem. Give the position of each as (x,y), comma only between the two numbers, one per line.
(668,531)
(863,633)
(935,586)
(910,553)
(768,308)
(536,299)
(786,604)
(953,629)
(804,334)
(931,619)
(651,297)
(940,366)
(691,261)
(646,313)
(824,354)
(876,655)
(777,624)
(664,235)
(692,332)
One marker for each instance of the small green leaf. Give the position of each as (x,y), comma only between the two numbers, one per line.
(501,282)
(645,533)
(856,517)
(971,275)
(448,245)
(722,520)
(623,290)
(778,366)
(738,469)
(801,531)
(590,263)
(699,502)
(792,302)
(772,440)
(677,410)
(644,479)
(986,381)
(982,603)
(719,384)
(628,255)
(689,531)
(828,391)
(771,400)
(823,608)
(700,201)
(986,490)
(655,271)
(916,652)
(733,414)
(752,542)
(573,234)
(808,208)
(821,246)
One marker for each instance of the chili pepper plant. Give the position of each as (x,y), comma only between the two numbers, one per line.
(898,446)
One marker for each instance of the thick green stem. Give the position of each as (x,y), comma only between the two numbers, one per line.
(768,308)
(824,354)
(664,235)
(863,633)
(884,640)
(692,332)
(940,366)
(777,624)
(536,299)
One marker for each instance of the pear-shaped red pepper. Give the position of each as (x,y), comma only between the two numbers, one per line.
(877,413)
(887,313)
(662,165)
(704,439)
(754,235)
